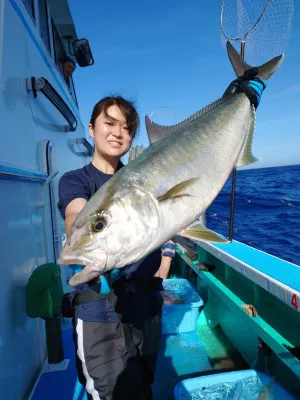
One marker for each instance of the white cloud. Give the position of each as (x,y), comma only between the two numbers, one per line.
(292,89)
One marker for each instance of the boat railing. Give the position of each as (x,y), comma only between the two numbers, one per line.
(43,85)
(20,174)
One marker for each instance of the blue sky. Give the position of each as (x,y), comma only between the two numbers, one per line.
(167,56)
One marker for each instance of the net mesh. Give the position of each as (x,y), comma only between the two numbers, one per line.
(265,25)
(163,116)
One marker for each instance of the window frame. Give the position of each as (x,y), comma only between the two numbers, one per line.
(49,27)
(71,88)
(73,91)
(56,33)
(31,12)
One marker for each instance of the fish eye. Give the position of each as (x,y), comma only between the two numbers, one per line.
(98,225)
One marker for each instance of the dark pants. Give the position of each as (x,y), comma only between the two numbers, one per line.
(117,360)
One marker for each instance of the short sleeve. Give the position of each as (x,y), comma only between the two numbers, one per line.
(71,186)
(168,249)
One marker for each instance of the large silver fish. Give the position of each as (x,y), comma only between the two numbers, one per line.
(162,192)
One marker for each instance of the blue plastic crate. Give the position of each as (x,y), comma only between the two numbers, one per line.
(181,306)
(246,384)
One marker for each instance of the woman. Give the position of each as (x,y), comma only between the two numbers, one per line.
(116,336)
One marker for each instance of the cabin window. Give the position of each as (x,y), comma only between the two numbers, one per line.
(29,4)
(59,50)
(44,25)
(60,56)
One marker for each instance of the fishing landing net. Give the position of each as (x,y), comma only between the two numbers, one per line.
(259,30)
(163,116)
(263,27)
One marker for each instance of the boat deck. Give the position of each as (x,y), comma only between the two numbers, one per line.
(206,350)
(181,356)
(187,355)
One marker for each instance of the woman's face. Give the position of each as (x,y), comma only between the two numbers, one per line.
(111,135)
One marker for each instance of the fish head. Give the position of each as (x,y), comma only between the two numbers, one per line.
(114,229)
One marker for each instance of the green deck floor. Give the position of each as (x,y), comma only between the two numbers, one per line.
(188,355)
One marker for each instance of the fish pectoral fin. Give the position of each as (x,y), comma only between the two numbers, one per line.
(199,232)
(178,190)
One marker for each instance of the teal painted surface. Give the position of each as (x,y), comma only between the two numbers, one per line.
(283,271)
(279,315)
(179,356)
(224,308)
(203,352)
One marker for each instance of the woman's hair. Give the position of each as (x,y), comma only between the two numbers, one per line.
(126,107)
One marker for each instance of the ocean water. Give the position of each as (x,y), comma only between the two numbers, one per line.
(267,210)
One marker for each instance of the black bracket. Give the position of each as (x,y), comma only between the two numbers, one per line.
(42,85)
(86,144)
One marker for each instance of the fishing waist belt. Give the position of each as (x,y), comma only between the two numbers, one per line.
(87,297)
(120,287)
(73,299)
(137,284)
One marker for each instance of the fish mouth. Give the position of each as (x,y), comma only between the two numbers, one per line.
(97,261)
(73,260)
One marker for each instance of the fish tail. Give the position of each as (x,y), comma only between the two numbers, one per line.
(240,66)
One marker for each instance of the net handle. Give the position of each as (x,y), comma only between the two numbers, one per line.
(242,38)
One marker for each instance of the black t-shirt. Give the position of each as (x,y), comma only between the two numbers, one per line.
(83,183)
(80,183)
